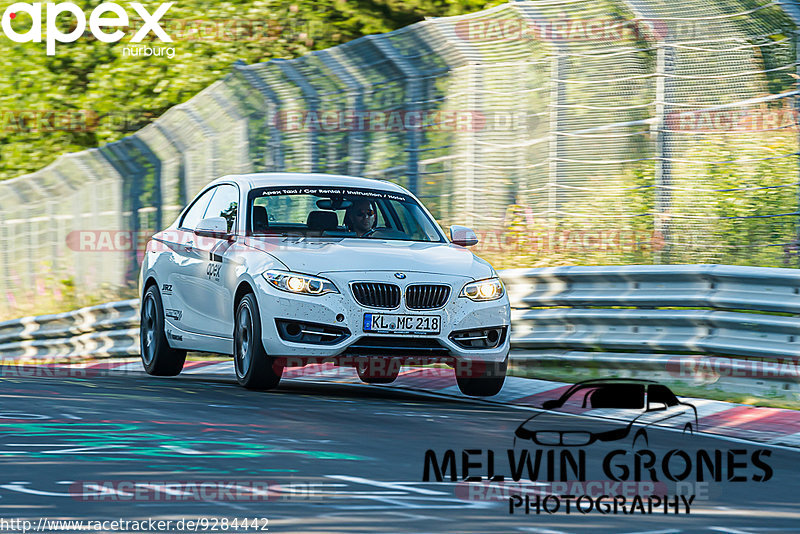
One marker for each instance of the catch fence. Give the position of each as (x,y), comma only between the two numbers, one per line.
(564,131)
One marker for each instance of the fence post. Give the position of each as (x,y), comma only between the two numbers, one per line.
(557,100)
(355,103)
(275,149)
(793,12)
(413,97)
(664,64)
(312,100)
(153,160)
(118,155)
(206,134)
(5,287)
(182,150)
(795,15)
(472,147)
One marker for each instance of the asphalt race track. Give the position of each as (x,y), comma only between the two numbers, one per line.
(322,457)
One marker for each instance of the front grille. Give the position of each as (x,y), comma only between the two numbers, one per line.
(396,346)
(376,295)
(426,297)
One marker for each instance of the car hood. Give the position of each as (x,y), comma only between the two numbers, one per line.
(315,256)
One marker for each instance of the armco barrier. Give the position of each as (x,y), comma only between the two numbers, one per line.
(734,327)
(630,317)
(655,309)
(107,330)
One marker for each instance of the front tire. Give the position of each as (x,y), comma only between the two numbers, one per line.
(481,379)
(158,358)
(254,368)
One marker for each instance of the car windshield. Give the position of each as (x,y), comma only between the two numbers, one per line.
(312,211)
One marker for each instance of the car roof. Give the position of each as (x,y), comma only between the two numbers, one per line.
(615,381)
(277,179)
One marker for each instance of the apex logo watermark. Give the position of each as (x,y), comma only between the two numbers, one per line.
(104,16)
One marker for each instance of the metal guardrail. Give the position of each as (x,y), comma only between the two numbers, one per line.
(623,308)
(107,330)
(661,321)
(706,286)
(643,317)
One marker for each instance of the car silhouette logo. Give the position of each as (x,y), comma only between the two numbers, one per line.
(622,408)
(400,276)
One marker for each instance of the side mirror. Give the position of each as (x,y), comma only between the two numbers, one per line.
(656,406)
(213,227)
(461,235)
(551,404)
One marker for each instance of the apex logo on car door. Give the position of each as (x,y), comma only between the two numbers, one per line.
(210,298)
(182,258)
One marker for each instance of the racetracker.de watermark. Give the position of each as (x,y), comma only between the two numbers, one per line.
(215,490)
(424,368)
(501,490)
(350,120)
(38,121)
(499,240)
(715,367)
(218,30)
(759,119)
(576,29)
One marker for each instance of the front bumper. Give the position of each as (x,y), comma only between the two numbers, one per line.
(341,311)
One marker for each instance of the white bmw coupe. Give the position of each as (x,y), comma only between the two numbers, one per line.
(285,269)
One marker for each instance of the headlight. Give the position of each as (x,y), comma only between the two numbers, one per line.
(302,284)
(482,290)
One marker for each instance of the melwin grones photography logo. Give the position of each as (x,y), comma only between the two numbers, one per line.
(101,21)
(588,451)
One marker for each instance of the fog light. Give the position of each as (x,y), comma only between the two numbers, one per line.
(293,329)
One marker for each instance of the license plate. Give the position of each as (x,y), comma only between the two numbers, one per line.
(402,324)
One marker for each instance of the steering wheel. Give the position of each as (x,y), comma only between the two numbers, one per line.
(369,232)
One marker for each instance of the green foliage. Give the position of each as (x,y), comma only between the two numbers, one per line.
(91,93)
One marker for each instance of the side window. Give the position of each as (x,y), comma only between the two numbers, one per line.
(225,204)
(381,219)
(578,400)
(196,212)
(659,393)
(411,218)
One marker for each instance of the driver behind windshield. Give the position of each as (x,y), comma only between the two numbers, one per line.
(361,217)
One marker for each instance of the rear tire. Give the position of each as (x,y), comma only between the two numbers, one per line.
(254,368)
(158,358)
(378,370)
(482,379)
